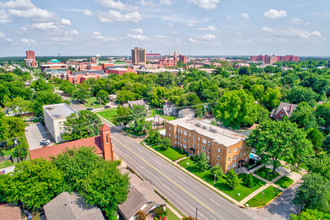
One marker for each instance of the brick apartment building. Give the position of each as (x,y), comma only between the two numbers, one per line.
(273,59)
(30,60)
(221,146)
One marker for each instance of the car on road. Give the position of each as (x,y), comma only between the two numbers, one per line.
(107,106)
(44,142)
(90,109)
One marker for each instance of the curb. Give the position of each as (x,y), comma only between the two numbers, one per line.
(259,207)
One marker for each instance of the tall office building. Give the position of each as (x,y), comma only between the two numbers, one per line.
(138,56)
(30,60)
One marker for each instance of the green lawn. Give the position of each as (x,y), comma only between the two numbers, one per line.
(108,114)
(284,182)
(263,172)
(92,103)
(221,183)
(171,153)
(128,130)
(6,163)
(171,215)
(264,197)
(160,112)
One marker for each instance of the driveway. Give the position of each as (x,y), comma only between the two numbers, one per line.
(35,132)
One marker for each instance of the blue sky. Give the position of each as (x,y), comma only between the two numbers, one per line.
(196,27)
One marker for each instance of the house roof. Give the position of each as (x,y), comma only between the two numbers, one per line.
(105,128)
(287,107)
(133,203)
(67,206)
(168,104)
(187,111)
(61,110)
(136,102)
(10,212)
(49,151)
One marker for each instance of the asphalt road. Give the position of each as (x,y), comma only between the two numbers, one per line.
(182,190)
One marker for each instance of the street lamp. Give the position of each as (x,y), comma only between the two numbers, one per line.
(197,211)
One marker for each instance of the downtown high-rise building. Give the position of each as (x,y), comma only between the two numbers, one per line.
(139,56)
(30,60)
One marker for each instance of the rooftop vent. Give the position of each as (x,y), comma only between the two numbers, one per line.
(213,130)
(204,127)
(198,124)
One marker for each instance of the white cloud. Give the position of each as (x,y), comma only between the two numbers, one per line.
(205,4)
(35,13)
(74,32)
(65,21)
(18,4)
(208,28)
(296,21)
(293,34)
(190,24)
(170,24)
(116,5)
(98,35)
(245,15)
(27,41)
(166,2)
(274,14)
(9,39)
(229,17)
(137,30)
(138,36)
(87,12)
(4,16)
(2,35)
(206,38)
(112,16)
(45,26)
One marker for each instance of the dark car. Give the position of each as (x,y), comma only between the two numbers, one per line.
(107,106)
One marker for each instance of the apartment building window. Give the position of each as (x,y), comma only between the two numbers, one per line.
(228,167)
(234,165)
(209,143)
(185,139)
(176,142)
(184,146)
(244,153)
(189,141)
(181,144)
(204,141)
(208,157)
(198,138)
(185,133)
(193,145)
(218,157)
(217,164)
(240,154)
(169,134)
(181,137)
(203,147)
(194,138)
(229,151)
(198,152)
(235,150)
(198,145)
(189,134)
(178,130)
(235,157)
(181,131)
(218,149)
(208,150)
(246,159)
(240,147)
(176,136)
(229,159)
(169,128)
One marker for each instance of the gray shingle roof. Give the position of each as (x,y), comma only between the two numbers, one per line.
(71,207)
(287,107)
(133,203)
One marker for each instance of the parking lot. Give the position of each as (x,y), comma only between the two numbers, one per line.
(34,133)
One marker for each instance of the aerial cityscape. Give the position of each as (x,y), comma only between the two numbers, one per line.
(164,110)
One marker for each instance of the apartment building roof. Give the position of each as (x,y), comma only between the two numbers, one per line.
(220,135)
(61,110)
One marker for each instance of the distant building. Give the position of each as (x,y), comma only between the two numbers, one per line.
(55,68)
(81,76)
(54,116)
(221,146)
(186,113)
(119,70)
(284,109)
(183,58)
(139,56)
(30,60)
(102,144)
(113,97)
(153,57)
(169,109)
(68,206)
(273,59)
(130,104)
(239,65)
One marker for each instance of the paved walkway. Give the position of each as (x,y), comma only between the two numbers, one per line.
(8,169)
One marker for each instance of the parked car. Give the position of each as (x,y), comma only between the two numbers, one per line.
(90,109)
(44,142)
(107,106)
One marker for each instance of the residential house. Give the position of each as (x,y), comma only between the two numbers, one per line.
(169,109)
(130,104)
(186,113)
(284,109)
(102,144)
(221,146)
(113,97)
(67,206)
(10,212)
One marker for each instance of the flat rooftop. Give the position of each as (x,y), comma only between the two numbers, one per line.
(220,135)
(61,110)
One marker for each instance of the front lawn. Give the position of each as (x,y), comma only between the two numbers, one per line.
(264,197)
(7,163)
(171,215)
(160,112)
(171,153)
(108,114)
(284,182)
(221,183)
(130,131)
(263,172)
(92,103)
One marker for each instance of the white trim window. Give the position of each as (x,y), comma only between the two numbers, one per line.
(204,141)
(229,159)
(235,150)
(203,147)
(185,146)
(228,168)
(185,133)
(234,164)
(169,134)
(208,150)
(218,149)
(208,157)
(229,151)
(235,157)
(218,157)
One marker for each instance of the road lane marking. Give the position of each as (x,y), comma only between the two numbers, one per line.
(214,202)
(158,163)
(166,187)
(163,175)
(182,179)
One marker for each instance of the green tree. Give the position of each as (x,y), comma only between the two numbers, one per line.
(124,115)
(320,164)
(244,71)
(275,140)
(304,116)
(202,163)
(249,182)
(154,137)
(106,187)
(80,95)
(325,145)
(232,179)
(236,108)
(217,171)
(272,98)
(314,193)
(310,214)
(34,183)
(67,87)
(84,125)
(103,96)
(44,98)
(41,85)
(316,137)
(257,91)
(302,94)
(165,143)
(19,105)
(323,114)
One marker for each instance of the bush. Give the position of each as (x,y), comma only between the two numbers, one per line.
(249,182)
(193,157)
(161,213)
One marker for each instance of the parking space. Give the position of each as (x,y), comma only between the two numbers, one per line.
(35,132)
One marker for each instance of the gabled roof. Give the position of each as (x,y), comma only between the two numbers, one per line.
(71,207)
(288,108)
(136,102)
(105,128)
(133,203)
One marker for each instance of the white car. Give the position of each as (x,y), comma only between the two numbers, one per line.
(44,142)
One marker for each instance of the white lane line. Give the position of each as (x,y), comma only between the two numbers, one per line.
(166,187)
(142,167)
(182,179)
(214,202)
(158,163)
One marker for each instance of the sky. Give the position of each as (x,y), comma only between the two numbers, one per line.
(193,27)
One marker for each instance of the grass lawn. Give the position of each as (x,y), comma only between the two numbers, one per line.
(171,215)
(6,163)
(263,172)
(108,114)
(221,183)
(171,153)
(264,197)
(128,130)
(92,103)
(284,182)
(160,112)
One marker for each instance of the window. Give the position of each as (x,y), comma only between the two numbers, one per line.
(194,138)
(181,144)
(235,150)
(240,147)
(282,115)
(169,134)
(218,157)
(198,138)
(246,159)
(209,143)
(218,164)
(176,136)
(208,150)
(185,133)
(219,150)
(181,131)
(198,145)
(234,165)
(178,130)
(208,157)
(204,141)
(235,157)
(184,146)
(193,145)
(229,159)
(228,167)
(244,153)
(203,147)
(189,134)
(107,138)
(189,141)
(198,152)
(169,128)
(229,151)
(240,154)
(176,142)
(181,137)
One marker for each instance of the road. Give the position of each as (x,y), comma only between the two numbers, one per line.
(185,192)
